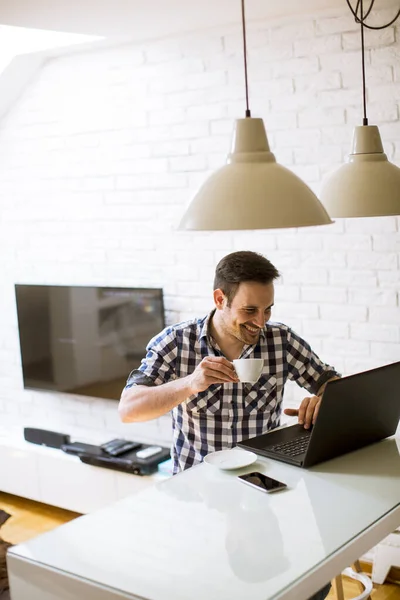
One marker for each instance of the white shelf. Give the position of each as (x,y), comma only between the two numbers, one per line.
(53,477)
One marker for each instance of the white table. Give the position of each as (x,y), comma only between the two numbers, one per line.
(206,535)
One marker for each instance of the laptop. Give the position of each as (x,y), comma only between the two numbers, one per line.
(355,411)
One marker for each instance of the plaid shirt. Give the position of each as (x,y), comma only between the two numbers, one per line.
(224,414)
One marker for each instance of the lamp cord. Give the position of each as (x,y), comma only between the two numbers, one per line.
(363,19)
(365,15)
(365,119)
(248,114)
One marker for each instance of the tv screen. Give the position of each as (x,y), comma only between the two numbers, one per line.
(85,340)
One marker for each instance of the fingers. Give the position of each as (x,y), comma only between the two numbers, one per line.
(316,410)
(219,369)
(308,411)
(291,412)
(212,369)
(303,410)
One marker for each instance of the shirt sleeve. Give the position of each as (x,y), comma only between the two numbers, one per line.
(159,364)
(304,366)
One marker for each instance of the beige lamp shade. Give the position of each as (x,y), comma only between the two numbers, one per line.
(252,191)
(368,185)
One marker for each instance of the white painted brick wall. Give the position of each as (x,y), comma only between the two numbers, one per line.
(102,152)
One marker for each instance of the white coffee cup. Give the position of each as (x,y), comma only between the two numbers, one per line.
(248,369)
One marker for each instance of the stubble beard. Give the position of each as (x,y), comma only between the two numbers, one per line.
(239,333)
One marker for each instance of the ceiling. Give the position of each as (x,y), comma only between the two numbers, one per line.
(146,19)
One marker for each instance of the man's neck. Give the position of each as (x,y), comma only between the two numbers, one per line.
(230,346)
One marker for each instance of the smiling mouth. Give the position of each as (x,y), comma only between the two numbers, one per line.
(251,330)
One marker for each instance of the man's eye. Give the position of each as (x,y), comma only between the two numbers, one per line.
(249,310)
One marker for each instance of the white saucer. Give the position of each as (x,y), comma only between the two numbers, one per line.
(234,458)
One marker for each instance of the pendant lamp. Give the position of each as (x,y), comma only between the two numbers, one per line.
(368,185)
(252,191)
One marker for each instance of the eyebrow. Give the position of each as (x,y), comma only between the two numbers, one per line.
(251,306)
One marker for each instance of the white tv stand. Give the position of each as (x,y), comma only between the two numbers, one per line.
(53,477)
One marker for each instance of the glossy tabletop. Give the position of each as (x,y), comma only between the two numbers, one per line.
(204,534)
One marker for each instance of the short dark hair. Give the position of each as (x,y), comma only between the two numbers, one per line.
(244,265)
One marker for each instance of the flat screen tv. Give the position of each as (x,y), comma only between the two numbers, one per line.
(85,340)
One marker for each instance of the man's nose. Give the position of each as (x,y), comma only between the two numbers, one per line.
(260,320)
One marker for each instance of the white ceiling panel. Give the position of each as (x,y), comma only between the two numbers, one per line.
(146,19)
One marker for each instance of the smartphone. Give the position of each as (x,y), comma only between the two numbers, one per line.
(263,482)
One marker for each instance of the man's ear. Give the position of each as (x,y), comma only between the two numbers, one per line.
(220,299)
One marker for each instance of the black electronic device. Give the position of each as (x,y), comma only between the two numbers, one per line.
(118,446)
(262,482)
(85,340)
(44,437)
(128,462)
(355,411)
(77,448)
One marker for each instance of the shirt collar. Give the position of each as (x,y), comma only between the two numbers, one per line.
(204,330)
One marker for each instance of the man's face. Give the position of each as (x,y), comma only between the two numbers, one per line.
(250,309)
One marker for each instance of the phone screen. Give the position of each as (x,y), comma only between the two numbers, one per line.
(263,482)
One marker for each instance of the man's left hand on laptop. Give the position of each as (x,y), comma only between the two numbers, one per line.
(307,412)
(309,407)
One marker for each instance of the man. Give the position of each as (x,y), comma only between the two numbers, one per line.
(188,369)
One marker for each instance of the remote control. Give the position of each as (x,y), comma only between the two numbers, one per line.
(148,452)
(117,447)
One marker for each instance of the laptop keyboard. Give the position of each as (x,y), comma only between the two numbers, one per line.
(293,447)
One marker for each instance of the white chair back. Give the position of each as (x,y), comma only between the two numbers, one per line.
(362,578)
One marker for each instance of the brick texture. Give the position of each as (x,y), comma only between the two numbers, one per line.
(104,149)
